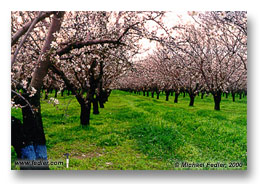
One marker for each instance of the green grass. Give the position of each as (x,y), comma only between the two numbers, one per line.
(137,132)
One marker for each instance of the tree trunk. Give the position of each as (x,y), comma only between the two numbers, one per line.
(101,99)
(202,95)
(101,103)
(85,113)
(99,95)
(93,86)
(152,94)
(105,96)
(143,93)
(217,100)
(32,123)
(35,148)
(44,62)
(147,93)
(17,136)
(56,93)
(240,95)
(62,91)
(167,93)
(192,97)
(233,96)
(183,94)
(158,94)
(176,97)
(226,95)
(95,106)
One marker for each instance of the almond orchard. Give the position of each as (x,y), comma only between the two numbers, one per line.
(94,68)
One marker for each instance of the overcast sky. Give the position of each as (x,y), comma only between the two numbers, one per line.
(170,19)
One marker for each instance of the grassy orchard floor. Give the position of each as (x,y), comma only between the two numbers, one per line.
(137,132)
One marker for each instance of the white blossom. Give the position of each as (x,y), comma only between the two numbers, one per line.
(33,92)
(54,44)
(24,83)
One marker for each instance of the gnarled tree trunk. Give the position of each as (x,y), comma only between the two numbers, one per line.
(32,123)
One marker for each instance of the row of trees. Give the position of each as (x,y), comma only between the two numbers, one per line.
(207,56)
(90,53)
(81,51)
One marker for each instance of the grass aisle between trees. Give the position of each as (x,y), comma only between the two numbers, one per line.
(137,132)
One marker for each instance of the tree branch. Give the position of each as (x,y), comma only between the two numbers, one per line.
(24,38)
(78,45)
(24,100)
(23,30)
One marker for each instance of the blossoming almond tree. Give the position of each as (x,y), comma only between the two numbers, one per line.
(91,53)
(216,50)
(35,145)
(94,39)
(77,47)
(208,54)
